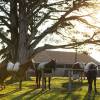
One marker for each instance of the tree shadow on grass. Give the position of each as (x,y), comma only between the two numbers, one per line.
(31,86)
(17,90)
(72,97)
(92,96)
(55,94)
(7,94)
(12,81)
(36,95)
(23,95)
(87,97)
(30,94)
(74,85)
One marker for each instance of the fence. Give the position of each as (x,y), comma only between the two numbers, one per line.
(63,72)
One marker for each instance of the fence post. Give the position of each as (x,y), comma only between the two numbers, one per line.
(69,83)
(43,87)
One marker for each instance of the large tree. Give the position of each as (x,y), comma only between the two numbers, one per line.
(23,25)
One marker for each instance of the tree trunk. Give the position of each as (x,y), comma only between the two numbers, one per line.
(23,28)
(14,29)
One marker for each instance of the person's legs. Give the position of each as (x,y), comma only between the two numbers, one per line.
(45,82)
(89,85)
(49,80)
(95,85)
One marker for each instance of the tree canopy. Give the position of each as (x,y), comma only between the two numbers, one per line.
(25,23)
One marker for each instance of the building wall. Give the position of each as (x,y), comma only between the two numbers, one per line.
(60,72)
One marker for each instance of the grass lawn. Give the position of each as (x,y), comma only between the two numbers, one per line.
(59,91)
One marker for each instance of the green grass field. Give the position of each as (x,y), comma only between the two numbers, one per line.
(59,91)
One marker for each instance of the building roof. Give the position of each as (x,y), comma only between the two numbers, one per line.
(63,57)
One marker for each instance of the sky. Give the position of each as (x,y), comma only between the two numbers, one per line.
(96,55)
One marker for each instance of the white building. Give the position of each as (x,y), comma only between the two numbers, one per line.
(64,59)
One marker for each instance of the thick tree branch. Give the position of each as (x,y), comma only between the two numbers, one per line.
(79,18)
(2,9)
(68,46)
(4,17)
(5,22)
(55,26)
(33,6)
(38,24)
(86,22)
(50,29)
(2,51)
(6,40)
(53,4)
